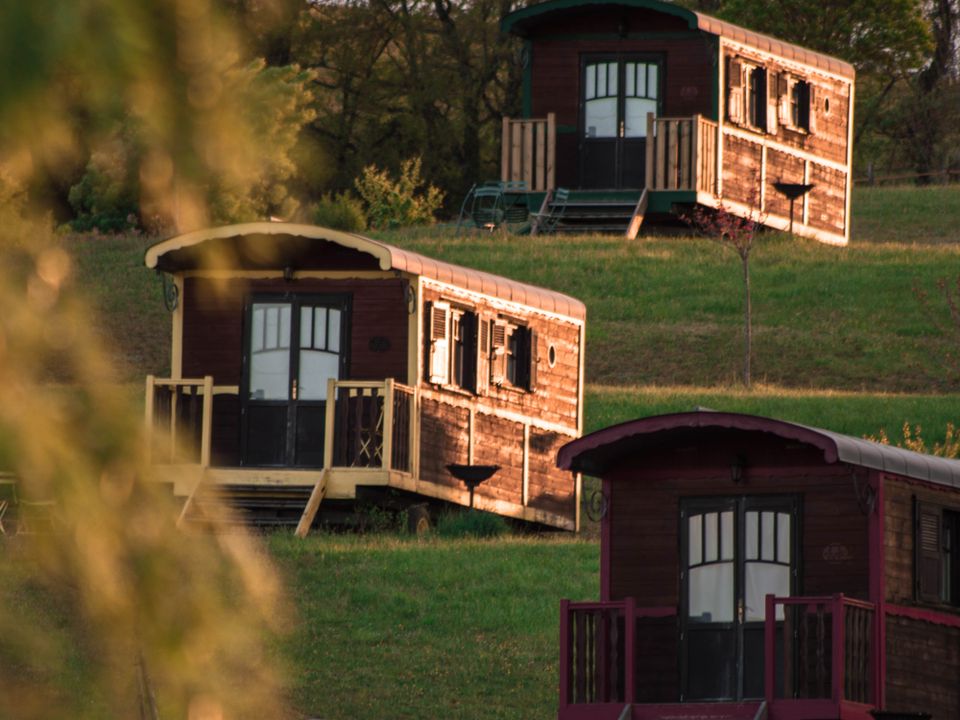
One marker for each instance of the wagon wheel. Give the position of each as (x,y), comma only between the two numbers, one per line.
(596,505)
(418,520)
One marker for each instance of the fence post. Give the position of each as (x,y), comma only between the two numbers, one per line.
(770,648)
(386,446)
(564,654)
(651,149)
(838,655)
(148,415)
(328,425)
(629,651)
(551,150)
(206,422)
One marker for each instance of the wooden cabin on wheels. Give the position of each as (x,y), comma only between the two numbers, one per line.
(756,569)
(312,364)
(644,107)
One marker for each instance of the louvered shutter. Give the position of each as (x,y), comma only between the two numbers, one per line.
(773,87)
(468,331)
(483,354)
(439,360)
(735,90)
(498,352)
(810,105)
(783,99)
(928,543)
(533,359)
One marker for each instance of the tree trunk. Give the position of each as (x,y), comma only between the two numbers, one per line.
(747,319)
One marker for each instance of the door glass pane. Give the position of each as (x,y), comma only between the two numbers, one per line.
(270,351)
(695,540)
(630,79)
(783,538)
(752,539)
(760,579)
(726,535)
(711,593)
(320,328)
(306,327)
(601,118)
(591,89)
(652,81)
(333,337)
(635,116)
(641,80)
(710,537)
(612,79)
(767,531)
(316,367)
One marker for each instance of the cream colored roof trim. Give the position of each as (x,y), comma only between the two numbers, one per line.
(389,257)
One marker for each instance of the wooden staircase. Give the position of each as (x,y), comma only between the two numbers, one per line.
(611,213)
(700,711)
(245,505)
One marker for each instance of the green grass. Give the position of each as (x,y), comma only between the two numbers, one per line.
(398,628)
(906,214)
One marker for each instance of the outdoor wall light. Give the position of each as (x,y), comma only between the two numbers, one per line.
(736,469)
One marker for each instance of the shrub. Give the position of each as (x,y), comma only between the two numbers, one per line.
(398,203)
(473,523)
(340,212)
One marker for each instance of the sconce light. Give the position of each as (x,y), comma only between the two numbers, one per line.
(736,469)
(411,297)
(288,273)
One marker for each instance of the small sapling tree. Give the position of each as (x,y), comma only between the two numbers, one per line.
(737,233)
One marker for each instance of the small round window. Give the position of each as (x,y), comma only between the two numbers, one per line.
(552,355)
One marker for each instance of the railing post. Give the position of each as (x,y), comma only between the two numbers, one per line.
(206,422)
(839,648)
(174,406)
(551,150)
(386,459)
(770,648)
(328,425)
(695,152)
(651,151)
(415,433)
(505,150)
(629,650)
(148,415)
(565,658)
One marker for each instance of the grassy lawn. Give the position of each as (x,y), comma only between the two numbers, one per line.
(393,627)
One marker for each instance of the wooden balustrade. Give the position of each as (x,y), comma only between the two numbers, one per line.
(370,424)
(528,152)
(681,154)
(179,417)
(827,649)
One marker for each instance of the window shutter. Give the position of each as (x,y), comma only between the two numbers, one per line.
(468,330)
(928,546)
(809,105)
(773,86)
(482,353)
(439,363)
(498,352)
(760,121)
(533,359)
(734,90)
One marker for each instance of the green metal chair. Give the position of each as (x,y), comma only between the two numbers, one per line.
(551,212)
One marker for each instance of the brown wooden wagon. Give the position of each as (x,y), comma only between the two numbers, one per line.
(644,107)
(755,568)
(314,364)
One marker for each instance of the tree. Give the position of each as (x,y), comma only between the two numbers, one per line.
(737,233)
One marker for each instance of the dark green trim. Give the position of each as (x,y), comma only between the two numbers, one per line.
(515,21)
(566,129)
(527,99)
(629,36)
(662,201)
(715,43)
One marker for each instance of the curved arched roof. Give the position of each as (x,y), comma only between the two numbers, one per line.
(520,21)
(275,245)
(601,450)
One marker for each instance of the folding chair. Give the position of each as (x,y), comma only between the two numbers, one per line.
(551,212)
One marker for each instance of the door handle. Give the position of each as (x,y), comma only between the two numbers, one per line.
(294,389)
(740,611)
(621,128)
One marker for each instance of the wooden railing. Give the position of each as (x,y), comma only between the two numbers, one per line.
(826,652)
(370,424)
(599,648)
(179,417)
(681,154)
(529,151)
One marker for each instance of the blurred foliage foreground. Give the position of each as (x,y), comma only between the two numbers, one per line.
(165,624)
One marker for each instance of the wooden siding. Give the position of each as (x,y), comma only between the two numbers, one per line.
(555,398)
(741,170)
(549,489)
(923,668)
(444,439)
(782,167)
(645,511)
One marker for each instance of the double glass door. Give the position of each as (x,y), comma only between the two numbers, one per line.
(293,346)
(734,552)
(617,94)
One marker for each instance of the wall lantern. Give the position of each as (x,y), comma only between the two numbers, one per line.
(736,469)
